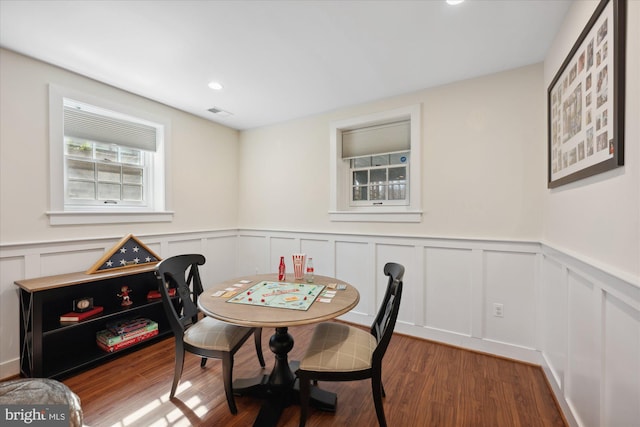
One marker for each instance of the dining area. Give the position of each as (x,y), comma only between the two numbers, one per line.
(261,365)
(426,383)
(216,323)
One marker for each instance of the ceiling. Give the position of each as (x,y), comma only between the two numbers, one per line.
(279,60)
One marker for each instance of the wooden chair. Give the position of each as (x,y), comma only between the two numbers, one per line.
(339,352)
(203,336)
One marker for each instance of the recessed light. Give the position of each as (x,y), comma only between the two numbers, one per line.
(454,2)
(215,86)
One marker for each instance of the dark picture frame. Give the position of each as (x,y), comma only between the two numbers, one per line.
(586,100)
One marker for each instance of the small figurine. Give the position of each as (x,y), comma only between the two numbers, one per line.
(126,301)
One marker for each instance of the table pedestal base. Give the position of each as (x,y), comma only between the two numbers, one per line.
(280,388)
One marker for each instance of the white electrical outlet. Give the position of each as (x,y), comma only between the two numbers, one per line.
(498,310)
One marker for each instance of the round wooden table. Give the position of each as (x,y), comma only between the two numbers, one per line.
(278,386)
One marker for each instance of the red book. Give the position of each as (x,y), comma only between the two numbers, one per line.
(73,316)
(109,338)
(127,343)
(156,294)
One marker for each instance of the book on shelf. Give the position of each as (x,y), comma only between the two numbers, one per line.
(109,338)
(155,294)
(73,316)
(125,326)
(127,343)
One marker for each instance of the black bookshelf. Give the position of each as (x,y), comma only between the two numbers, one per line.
(53,349)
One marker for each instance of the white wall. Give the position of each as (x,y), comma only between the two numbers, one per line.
(483,147)
(599,217)
(590,271)
(203,158)
(204,185)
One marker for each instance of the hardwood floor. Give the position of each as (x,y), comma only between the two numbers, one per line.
(427,384)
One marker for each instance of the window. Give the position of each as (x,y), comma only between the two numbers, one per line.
(99,173)
(380,179)
(107,162)
(375,168)
(107,159)
(378,163)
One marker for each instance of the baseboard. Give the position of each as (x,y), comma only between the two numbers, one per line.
(9,369)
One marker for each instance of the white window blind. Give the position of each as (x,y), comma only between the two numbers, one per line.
(378,139)
(94,126)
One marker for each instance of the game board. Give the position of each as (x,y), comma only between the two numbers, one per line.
(295,296)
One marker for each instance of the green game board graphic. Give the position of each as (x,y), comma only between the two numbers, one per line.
(294,296)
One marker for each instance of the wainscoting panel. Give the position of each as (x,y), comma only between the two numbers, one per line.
(553,318)
(450,284)
(590,340)
(12,268)
(509,280)
(80,260)
(279,246)
(411,303)
(355,264)
(583,374)
(322,253)
(253,255)
(448,304)
(190,246)
(621,370)
(221,253)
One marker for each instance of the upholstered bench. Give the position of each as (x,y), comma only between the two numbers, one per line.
(41,391)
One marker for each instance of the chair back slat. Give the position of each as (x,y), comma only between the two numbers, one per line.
(385,321)
(386,317)
(180,272)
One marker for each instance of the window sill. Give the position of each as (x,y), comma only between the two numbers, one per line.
(375,216)
(85,217)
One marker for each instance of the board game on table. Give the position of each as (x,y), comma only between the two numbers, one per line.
(295,296)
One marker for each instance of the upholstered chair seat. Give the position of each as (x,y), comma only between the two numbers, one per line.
(339,348)
(211,334)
